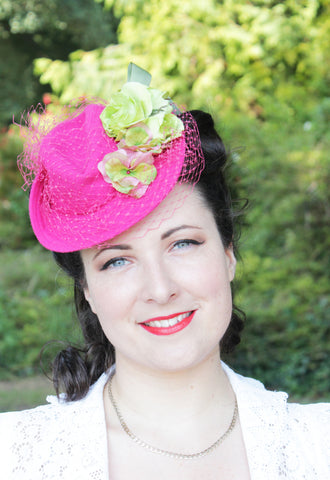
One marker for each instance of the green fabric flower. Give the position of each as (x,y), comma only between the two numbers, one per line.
(132,104)
(128,172)
(136,104)
(137,136)
(141,120)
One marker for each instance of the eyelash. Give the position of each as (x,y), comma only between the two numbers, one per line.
(187,242)
(112,263)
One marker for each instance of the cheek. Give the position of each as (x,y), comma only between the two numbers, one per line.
(111,314)
(111,300)
(212,275)
(214,289)
(216,286)
(220,306)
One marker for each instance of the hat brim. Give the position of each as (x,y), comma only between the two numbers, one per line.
(67,232)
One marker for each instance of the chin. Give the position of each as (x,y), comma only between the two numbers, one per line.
(185,361)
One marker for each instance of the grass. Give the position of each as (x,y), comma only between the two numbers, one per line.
(20,394)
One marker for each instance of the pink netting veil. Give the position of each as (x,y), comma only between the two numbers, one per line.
(71,206)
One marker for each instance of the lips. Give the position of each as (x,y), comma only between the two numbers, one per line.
(169,325)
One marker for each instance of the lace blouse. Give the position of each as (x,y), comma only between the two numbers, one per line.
(67,441)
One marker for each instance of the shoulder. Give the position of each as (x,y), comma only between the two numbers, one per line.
(255,395)
(39,417)
(27,436)
(19,424)
(294,437)
(44,438)
(305,435)
(312,419)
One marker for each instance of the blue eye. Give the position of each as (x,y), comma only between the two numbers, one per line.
(114,263)
(186,243)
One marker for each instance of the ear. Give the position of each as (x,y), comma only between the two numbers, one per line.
(89,299)
(231,262)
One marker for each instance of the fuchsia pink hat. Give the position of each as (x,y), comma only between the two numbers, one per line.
(93,178)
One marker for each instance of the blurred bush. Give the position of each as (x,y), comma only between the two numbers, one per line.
(261,70)
(51,29)
(35,308)
(15,229)
(283,279)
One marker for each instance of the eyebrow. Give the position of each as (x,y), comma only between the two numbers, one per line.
(165,235)
(113,247)
(173,230)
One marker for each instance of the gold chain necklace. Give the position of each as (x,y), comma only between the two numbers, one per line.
(180,456)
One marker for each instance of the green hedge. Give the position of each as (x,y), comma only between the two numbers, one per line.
(281,282)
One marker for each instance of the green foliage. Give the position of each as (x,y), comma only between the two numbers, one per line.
(35,307)
(15,227)
(34,28)
(261,69)
(287,335)
(283,281)
(83,22)
(96,73)
(259,58)
(268,60)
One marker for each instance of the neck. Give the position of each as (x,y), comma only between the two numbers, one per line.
(158,396)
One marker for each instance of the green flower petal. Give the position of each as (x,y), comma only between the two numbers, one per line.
(122,188)
(140,94)
(154,124)
(115,170)
(172,126)
(136,136)
(145,173)
(129,106)
(158,100)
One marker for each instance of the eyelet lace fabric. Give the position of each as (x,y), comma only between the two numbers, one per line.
(282,440)
(56,441)
(67,441)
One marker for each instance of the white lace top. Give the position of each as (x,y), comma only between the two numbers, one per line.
(67,441)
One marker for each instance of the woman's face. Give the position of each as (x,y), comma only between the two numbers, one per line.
(164,299)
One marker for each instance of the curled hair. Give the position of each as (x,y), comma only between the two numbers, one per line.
(215,190)
(75,369)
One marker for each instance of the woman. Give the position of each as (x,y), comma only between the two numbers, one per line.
(133,201)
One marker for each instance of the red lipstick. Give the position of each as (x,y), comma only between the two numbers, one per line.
(171,329)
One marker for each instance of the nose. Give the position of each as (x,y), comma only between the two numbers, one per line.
(158,284)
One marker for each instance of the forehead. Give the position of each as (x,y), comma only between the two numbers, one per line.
(183,206)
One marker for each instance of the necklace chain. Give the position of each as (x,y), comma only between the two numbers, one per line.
(159,451)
